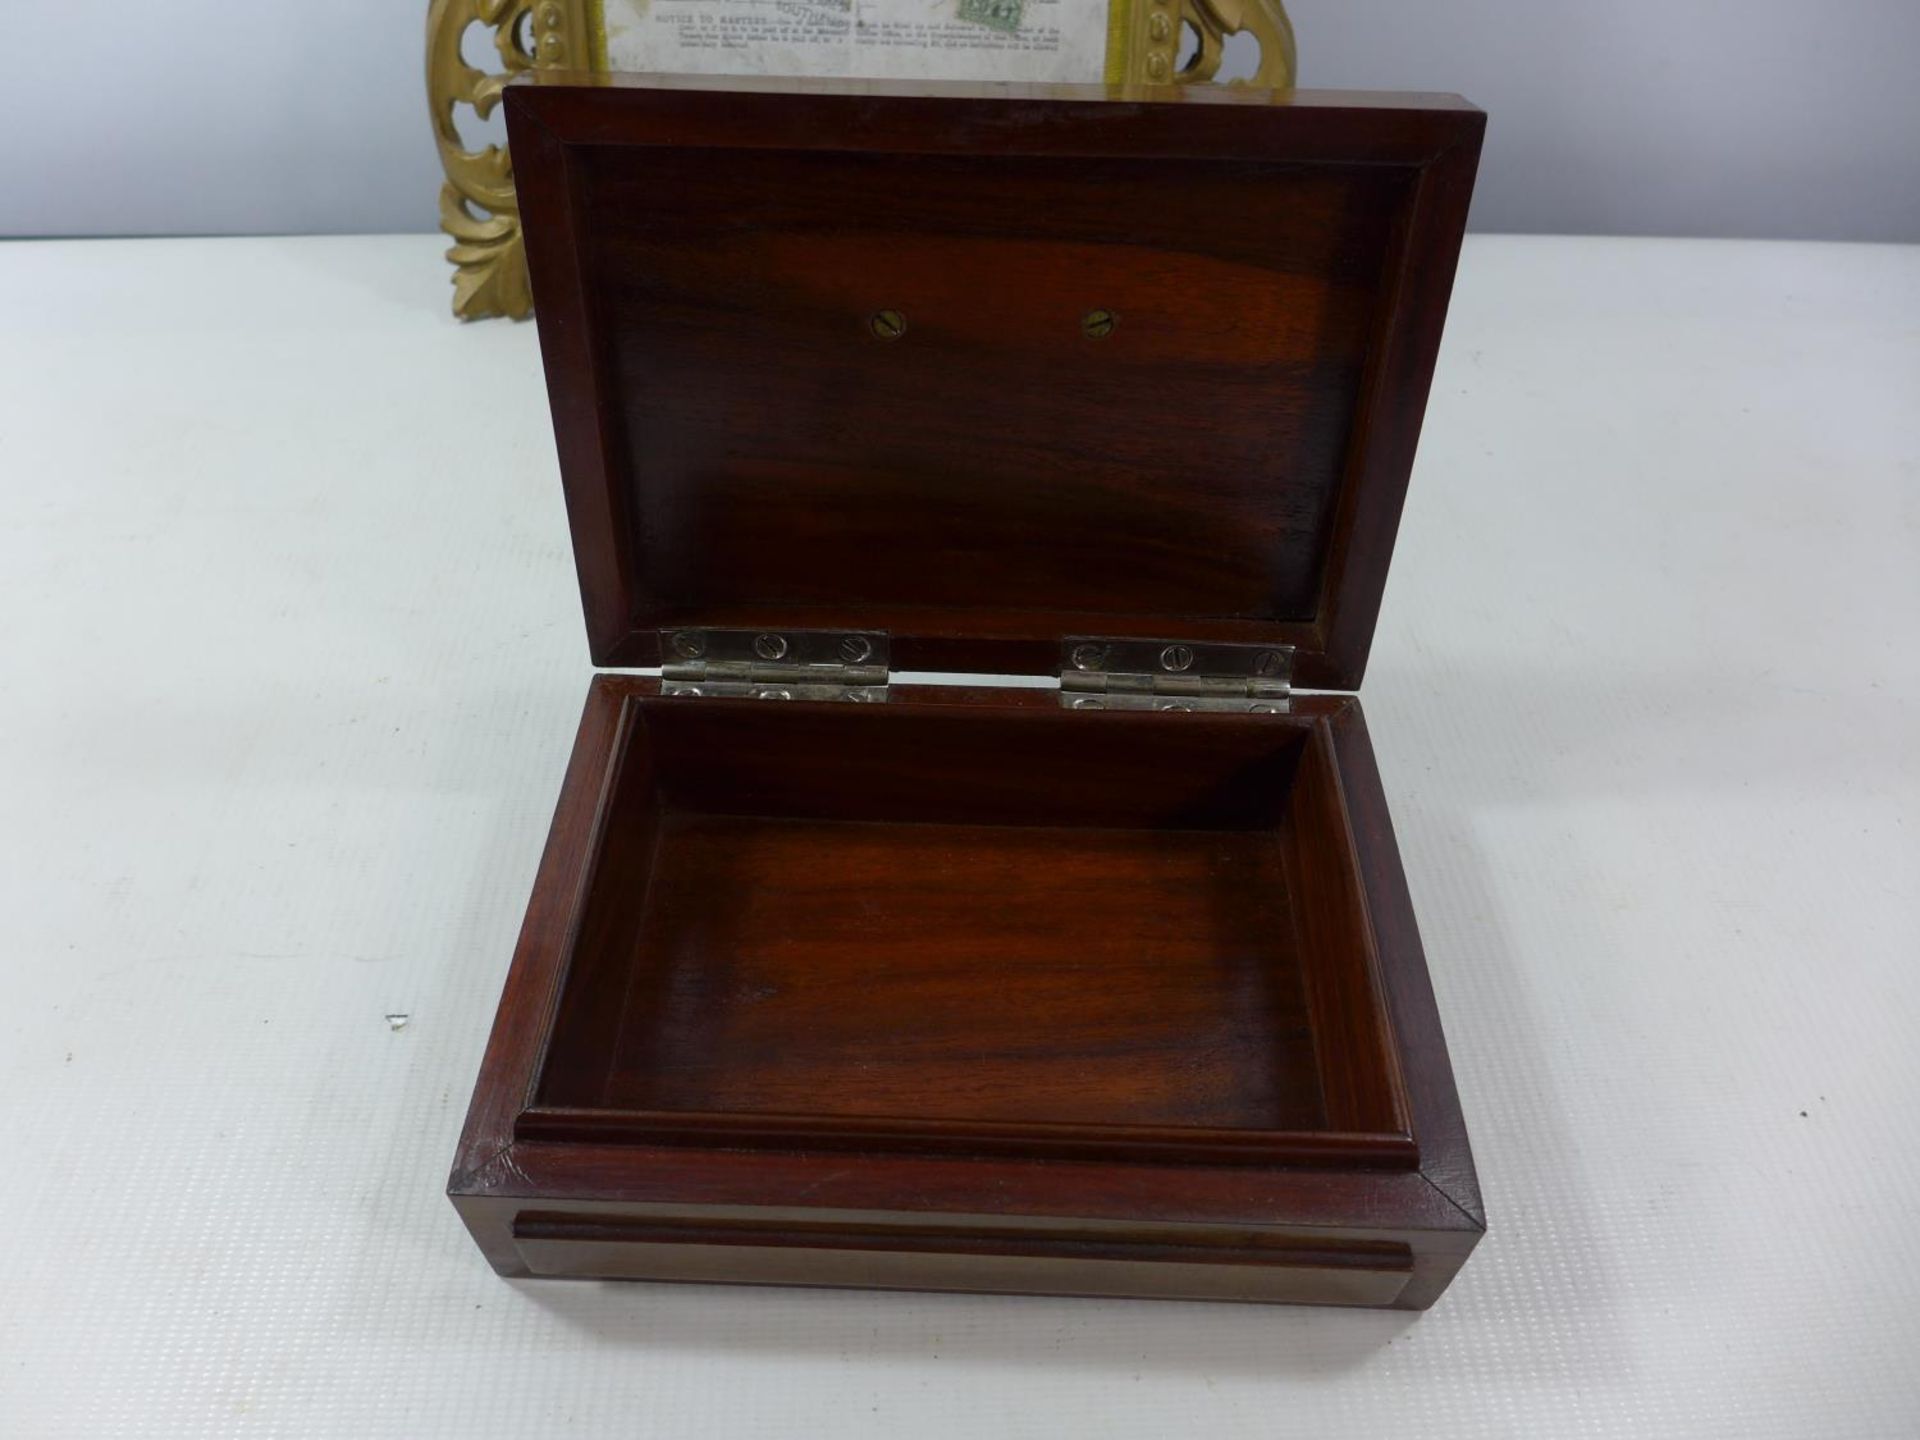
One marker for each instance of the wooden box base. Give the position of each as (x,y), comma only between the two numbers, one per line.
(968,991)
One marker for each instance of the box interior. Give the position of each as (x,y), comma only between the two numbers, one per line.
(1186,465)
(939,927)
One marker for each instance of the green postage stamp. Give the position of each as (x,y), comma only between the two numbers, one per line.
(999,14)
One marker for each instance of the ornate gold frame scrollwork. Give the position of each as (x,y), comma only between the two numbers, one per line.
(477,207)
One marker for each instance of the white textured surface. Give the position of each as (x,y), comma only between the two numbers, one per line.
(289,668)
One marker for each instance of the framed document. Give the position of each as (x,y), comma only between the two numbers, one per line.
(1119,42)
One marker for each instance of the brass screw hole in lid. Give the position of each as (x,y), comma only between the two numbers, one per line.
(888,324)
(1098,324)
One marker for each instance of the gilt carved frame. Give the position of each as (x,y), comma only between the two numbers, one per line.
(477,205)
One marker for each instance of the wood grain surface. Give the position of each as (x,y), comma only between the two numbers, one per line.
(1226,460)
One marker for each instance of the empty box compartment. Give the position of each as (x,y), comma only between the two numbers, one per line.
(976,929)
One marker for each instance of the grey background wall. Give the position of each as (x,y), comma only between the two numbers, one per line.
(1680,117)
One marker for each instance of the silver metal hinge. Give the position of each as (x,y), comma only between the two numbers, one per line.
(775,664)
(1104,673)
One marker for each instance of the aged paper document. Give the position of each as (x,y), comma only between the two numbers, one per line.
(1026,40)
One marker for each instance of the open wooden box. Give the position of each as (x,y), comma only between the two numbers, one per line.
(1106,988)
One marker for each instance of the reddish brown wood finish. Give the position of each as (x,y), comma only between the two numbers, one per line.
(973,932)
(739,449)
(856,980)
(965,990)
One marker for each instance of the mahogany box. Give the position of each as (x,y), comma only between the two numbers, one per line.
(1107,983)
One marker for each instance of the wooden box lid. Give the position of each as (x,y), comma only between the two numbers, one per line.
(986,366)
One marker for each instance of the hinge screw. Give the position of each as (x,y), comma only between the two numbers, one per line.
(1176,658)
(1269,663)
(690,644)
(1098,324)
(855,648)
(888,324)
(769,647)
(1088,657)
